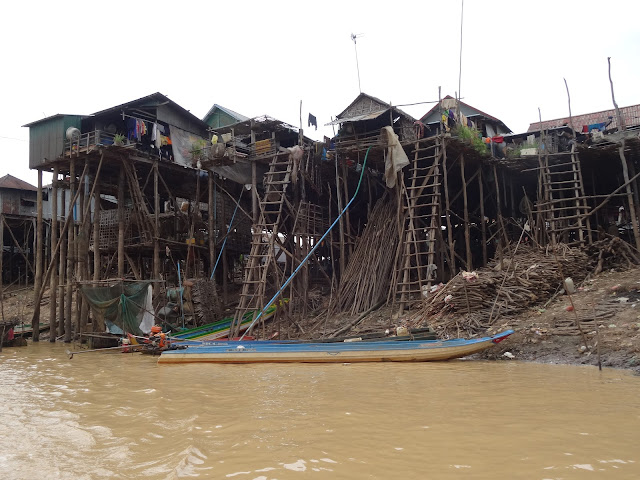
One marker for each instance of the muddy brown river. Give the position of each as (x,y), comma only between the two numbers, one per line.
(122,416)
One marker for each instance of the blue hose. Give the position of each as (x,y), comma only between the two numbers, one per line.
(317,244)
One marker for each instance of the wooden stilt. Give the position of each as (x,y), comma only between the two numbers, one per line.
(38,285)
(447,207)
(70,252)
(80,255)
(62,264)
(211,225)
(96,231)
(467,235)
(121,223)
(483,223)
(156,229)
(225,261)
(625,171)
(499,208)
(54,240)
(2,268)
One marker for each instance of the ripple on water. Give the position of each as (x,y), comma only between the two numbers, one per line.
(124,413)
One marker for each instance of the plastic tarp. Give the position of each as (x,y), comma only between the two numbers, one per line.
(396,159)
(123,307)
(185,144)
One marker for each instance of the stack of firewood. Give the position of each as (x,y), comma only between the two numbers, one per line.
(206,303)
(613,253)
(471,302)
(367,276)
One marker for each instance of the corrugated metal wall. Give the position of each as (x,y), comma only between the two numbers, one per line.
(46,139)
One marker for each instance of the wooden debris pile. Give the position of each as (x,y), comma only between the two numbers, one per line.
(473,301)
(613,253)
(367,276)
(206,303)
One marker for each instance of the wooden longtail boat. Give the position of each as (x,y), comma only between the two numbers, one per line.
(220,329)
(349,352)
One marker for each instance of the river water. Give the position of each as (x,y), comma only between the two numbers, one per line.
(114,415)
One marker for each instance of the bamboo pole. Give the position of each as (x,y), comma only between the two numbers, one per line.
(21,249)
(211,224)
(70,250)
(467,236)
(623,160)
(447,210)
(81,258)
(483,223)
(156,228)
(54,240)
(1,269)
(56,252)
(38,285)
(62,266)
(121,224)
(96,230)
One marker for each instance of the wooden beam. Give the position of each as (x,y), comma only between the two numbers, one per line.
(70,250)
(467,236)
(121,224)
(54,240)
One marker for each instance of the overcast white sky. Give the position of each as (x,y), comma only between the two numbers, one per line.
(264,57)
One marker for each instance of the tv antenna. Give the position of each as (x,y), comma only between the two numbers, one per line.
(355,36)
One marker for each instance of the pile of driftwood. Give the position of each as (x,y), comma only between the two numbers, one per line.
(613,253)
(473,301)
(366,279)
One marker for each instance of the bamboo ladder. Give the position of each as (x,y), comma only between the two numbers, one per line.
(565,206)
(262,257)
(421,221)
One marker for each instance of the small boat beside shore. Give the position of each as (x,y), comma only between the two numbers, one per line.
(349,352)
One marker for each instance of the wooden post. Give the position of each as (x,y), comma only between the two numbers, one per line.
(54,241)
(211,223)
(96,232)
(156,233)
(70,250)
(225,262)
(254,192)
(445,173)
(499,208)
(2,268)
(483,224)
(62,264)
(625,171)
(341,220)
(54,256)
(467,235)
(81,259)
(35,322)
(121,224)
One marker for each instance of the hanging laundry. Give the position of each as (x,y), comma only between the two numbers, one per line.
(313,121)
(464,120)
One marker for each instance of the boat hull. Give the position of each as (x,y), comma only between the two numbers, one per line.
(353,352)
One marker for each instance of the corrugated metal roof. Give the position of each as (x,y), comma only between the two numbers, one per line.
(228,111)
(9,181)
(51,118)
(357,118)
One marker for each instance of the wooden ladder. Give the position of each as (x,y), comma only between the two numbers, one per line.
(415,272)
(263,257)
(564,207)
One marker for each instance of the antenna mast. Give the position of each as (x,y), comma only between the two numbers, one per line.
(355,46)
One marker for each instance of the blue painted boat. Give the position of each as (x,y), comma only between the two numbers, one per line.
(349,352)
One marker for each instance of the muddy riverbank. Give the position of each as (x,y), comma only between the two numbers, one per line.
(547,333)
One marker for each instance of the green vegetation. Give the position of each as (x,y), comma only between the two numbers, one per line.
(474,137)
(118,139)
